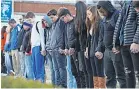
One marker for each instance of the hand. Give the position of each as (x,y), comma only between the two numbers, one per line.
(134,48)
(71,51)
(66,51)
(43,53)
(27,54)
(115,51)
(86,53)
(61,51)
(99,55)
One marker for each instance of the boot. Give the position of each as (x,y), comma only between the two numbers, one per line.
(102,82)
(96,82)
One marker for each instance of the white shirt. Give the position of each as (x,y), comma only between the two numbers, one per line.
(37,39)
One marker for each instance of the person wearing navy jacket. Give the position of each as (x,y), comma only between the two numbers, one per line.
(113,63)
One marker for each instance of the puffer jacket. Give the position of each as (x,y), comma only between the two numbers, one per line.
(127,30)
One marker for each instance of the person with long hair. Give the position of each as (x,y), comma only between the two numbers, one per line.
(3,39)
(80,45)
(94,25)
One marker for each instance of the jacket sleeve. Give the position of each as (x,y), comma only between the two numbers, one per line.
(41,31)
(136,37)
(117,29)
(62,37)
(65,38)
(101,47)
(71,36)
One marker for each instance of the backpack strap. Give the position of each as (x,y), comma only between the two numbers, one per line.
(37,27)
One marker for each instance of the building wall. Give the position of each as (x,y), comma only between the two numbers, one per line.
(24,7)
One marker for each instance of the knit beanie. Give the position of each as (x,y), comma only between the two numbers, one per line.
(48,20)
(27,22)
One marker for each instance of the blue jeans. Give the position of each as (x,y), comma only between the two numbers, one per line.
(8,62)
(29,67)
(38,64)
(59,62)
(49,58)
(71,82)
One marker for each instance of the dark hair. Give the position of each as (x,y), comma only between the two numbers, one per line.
(95,22)
(63,12)
(136,4)
(30,15)
(12,21)
(52,12)
(80,18)
(3,30)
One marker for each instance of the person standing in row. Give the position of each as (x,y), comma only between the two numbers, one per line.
(57,46)
(81,36)
(66,16)
(13,45)
(113,63)
(94,25)
(127,33)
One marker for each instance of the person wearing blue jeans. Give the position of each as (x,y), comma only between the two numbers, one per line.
(26,48)
(8,63)
(29,67)
(38,51)
(59,61)
(38,64)
(71,81)
(50,62)
(69,45)
(57,47)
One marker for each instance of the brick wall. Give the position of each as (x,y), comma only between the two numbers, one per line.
(24,7)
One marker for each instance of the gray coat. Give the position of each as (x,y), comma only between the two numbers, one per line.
(57,36)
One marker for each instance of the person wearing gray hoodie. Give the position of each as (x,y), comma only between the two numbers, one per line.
(47,25)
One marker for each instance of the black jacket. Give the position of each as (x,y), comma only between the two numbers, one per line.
(93,42)
(20,38)
(26,45)
(70,35)
(109,23)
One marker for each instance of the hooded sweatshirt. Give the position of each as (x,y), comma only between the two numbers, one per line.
(48,32)
(109,23)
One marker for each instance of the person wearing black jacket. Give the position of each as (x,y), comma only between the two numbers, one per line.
(113,63)
(96,68)
(66,16)
(26,49)
(126,36)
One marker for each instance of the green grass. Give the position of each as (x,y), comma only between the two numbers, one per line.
(11,82)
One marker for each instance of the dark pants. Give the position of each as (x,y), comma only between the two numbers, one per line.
(3,67)
(89,69)
(60,63)
(97,66)
(131,63)
(78,69)
(114,69)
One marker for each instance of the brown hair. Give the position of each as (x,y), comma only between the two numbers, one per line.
(30,15)
(95,21)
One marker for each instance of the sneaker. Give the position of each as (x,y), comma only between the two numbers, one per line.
(12,73)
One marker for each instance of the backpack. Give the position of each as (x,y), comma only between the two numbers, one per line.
(39,32)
